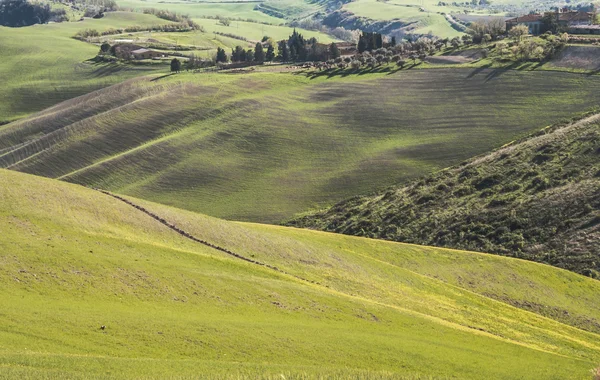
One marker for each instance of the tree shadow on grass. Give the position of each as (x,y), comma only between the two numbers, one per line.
(161,77)
(478,70)
(342,73)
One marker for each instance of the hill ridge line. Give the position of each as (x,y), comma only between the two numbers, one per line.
(197,240)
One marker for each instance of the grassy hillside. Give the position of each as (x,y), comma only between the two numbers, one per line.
(43,65)
(537,199)
(429,21)
(201,9)
(255,31)
(74,259)
(264,146)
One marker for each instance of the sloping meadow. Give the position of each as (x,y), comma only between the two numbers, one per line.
(262,147)
(74,259)
(537,199)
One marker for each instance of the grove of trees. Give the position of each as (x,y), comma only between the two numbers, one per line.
(23,13)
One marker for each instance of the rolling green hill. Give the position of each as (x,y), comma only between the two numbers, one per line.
(264,146)
(538,199)
(43,65)
(74,259)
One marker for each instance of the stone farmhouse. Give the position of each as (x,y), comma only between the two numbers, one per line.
(565,18)
(146,54)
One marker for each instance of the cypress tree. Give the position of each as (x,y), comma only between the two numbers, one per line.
(334,52)
(259,53)
(378,40)
(221,56)
(270,54)
(175,65)
(362,44)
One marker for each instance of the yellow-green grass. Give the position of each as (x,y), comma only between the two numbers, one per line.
(255,31)
(43,65)
(264,146)
(199,9)
(200,43)
(205,43)
(292,9)
(74,259)
(428,22)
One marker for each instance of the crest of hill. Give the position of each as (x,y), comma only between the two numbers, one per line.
(74,259)
(537,199)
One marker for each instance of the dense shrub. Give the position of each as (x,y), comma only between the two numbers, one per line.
(23,13)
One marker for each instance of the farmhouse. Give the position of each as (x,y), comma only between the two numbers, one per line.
(565,18)
(146,54)
(584,29)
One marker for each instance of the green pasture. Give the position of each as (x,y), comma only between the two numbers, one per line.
(43,64)
(199,9)
(255,31)
(74,259)
(293,9)
(264,146)
(427,22)
(199,43)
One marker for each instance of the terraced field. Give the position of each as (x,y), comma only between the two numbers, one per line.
(264,146)
(74,259)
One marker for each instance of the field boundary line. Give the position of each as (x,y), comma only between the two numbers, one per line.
(200,241)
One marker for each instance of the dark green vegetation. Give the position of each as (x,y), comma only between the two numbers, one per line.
(22,13)
(265,146)
(537,199)
(73,260)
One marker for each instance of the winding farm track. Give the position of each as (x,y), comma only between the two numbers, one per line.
(203,242)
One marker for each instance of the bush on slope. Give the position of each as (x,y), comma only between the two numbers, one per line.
(537,199)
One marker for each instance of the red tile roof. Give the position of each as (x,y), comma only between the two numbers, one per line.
(567,17)
(526,18)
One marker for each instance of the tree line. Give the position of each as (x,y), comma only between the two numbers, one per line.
(23,13)
(295,49)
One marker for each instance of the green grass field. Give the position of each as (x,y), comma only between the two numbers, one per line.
(427,22)
(42,65)
(255,31)
(74,259)
(200,9)
(293,9)
(265,146)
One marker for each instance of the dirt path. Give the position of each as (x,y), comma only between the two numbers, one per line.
(200,241)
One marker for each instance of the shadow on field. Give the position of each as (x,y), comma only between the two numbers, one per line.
(161,77)
(497,72)
(346,72)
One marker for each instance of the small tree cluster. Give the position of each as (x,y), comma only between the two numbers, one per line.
(166,15)
(23,13)
(240,54)
(369,41)
(297,48)
(486,31)
(221,56)
(223,21)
